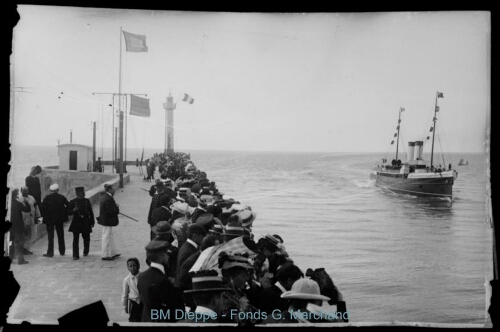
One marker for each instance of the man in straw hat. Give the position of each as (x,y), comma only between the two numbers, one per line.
(161,299)
(210,297)
(233,229)
(54,210)
(108,218)
(83,221)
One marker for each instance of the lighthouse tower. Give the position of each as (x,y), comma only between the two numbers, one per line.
(169,107)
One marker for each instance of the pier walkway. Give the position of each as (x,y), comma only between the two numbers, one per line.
(52,287)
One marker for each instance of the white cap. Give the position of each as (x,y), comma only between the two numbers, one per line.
(54,187)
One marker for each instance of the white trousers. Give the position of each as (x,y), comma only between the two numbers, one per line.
(108,242)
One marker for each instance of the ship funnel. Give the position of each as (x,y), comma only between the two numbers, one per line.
(411,150)
(419,147)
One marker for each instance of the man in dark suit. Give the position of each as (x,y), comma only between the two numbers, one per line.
(195,234)
(82,223)
(155,201)
(54,210)
(168,189)
(160,213)
(159,296)
(108,218)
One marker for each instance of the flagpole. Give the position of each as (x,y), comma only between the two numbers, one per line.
(434,129)
(120,112)
(126,129)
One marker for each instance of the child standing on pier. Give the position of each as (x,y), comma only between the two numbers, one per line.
(130,296)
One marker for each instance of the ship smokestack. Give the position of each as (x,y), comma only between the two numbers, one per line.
(411,150)
(419,147)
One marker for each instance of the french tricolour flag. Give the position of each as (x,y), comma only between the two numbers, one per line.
(188,98)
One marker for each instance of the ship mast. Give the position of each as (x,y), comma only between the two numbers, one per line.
(436,109)
(401,109)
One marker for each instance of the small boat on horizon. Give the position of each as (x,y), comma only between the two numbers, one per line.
(415,176)
(463,162)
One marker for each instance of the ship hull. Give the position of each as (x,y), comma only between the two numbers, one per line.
(423,185)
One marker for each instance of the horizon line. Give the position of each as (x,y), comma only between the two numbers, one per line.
(261,151)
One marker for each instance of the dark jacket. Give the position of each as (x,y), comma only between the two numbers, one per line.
(108,211)
(158,293)
(83,219)
(155,203)
(159,214)
(273,300)
(54,209)
(16,216)
(185,280)
(34,188)
(196,213)
(170,192)
(185,251)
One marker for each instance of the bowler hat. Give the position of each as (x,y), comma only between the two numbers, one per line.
(197,229)
(158,246)
(162,227)
(192,201)
(206,220)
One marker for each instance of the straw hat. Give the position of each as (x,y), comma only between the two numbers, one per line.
(54,187)
(246,217)
(207,283)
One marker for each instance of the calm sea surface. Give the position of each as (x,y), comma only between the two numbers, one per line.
(394,257)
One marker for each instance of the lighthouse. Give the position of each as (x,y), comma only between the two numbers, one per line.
(169,107)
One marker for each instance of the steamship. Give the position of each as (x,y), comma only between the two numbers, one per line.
(415,177)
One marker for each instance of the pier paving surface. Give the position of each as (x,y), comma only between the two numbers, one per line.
(53,287)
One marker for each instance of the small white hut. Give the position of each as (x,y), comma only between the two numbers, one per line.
(75,157)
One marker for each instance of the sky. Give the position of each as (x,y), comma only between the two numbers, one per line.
(319,82)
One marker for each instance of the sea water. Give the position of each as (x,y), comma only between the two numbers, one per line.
(393,257)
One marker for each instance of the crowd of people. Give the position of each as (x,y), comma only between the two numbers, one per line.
(204,264)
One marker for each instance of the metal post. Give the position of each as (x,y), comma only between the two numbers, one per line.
(94,151)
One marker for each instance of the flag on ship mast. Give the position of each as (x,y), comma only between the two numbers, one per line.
(440,95)
(139,106)
(135,43)
(187,98)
